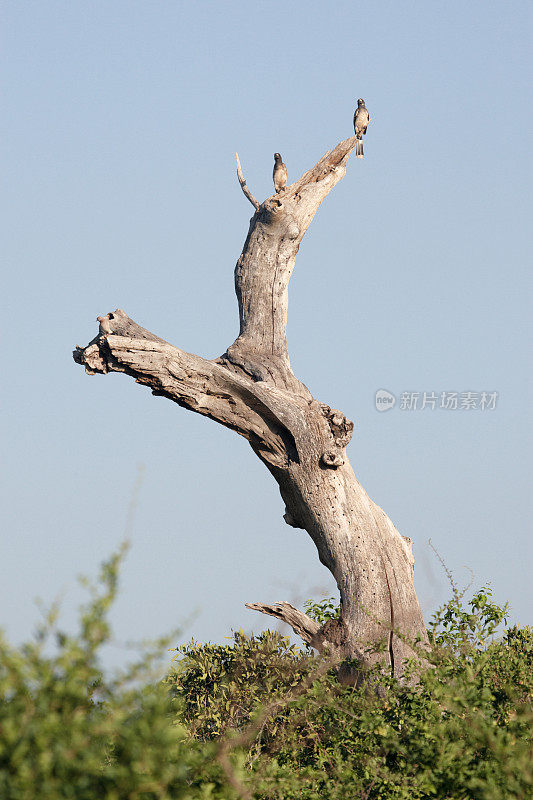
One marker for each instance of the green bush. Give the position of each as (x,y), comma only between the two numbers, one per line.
(260,718)
(68,732)
(221,685)
(463,732)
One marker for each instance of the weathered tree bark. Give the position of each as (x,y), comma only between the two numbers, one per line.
(252,389)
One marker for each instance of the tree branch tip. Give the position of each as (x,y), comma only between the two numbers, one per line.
(245,190)
(301,623)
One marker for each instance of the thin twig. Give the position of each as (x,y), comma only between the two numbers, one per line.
(247,193)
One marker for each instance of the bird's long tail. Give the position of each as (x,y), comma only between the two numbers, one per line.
(359,149)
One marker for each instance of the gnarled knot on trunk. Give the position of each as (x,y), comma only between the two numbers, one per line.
(275,217)
(331,459)
(339,429)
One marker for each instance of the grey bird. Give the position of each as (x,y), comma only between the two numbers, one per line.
(279,174)
(361,118)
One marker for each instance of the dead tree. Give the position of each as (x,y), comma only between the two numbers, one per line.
(252,390)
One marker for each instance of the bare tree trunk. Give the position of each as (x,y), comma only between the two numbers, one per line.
(252,389)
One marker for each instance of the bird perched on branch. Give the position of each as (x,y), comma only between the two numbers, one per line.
(361,118)
(279,174)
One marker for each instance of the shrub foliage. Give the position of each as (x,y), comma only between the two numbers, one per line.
(260,718)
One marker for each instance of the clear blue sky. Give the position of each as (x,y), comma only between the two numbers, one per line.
(121,123)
